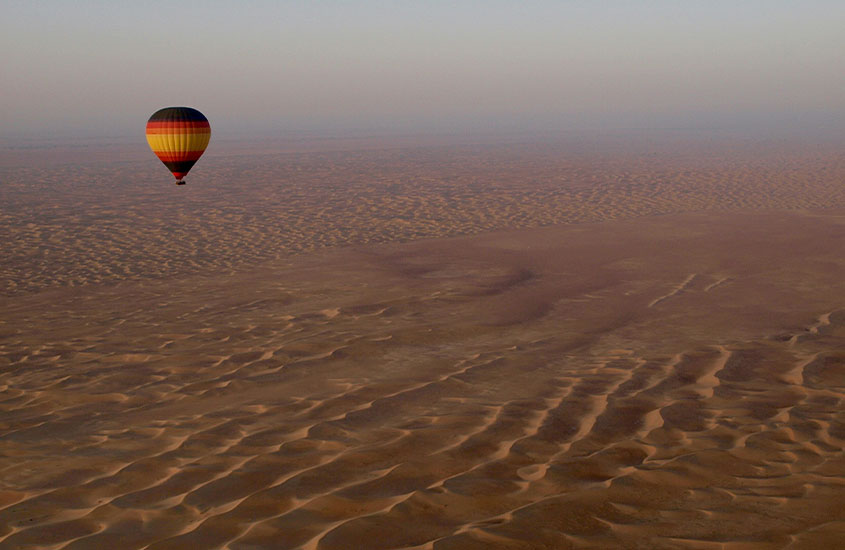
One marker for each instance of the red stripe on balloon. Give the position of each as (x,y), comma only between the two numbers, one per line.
(158,131)
(177,157)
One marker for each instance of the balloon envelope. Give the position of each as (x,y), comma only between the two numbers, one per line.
(178,136)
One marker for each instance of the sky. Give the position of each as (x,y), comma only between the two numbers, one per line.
(100,68)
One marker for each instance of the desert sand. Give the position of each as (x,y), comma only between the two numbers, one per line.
(628,344)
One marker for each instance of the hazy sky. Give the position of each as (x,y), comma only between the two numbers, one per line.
(102,67)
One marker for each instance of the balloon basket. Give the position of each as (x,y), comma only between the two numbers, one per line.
(180,182)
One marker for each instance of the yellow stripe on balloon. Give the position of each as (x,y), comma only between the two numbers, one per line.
(179,142)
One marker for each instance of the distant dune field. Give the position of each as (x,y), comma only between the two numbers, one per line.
(622,345)
(92,214)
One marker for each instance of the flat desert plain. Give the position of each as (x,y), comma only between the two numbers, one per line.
(617,343)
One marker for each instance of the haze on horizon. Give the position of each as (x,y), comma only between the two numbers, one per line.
(95,68)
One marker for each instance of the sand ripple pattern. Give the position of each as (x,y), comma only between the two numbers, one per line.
(432,396)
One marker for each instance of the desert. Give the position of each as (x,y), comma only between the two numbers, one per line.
(615,342)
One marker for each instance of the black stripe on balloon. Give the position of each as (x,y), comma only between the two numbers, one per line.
(177,114)
(179,165)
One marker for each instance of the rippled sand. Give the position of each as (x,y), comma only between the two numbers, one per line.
(671,381)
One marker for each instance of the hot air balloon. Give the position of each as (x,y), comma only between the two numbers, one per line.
(178,136)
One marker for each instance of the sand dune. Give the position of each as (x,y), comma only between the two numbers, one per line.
(665,382)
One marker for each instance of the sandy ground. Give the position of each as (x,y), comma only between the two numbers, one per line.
(662,381)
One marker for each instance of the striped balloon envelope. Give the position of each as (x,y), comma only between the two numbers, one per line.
(178,136)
